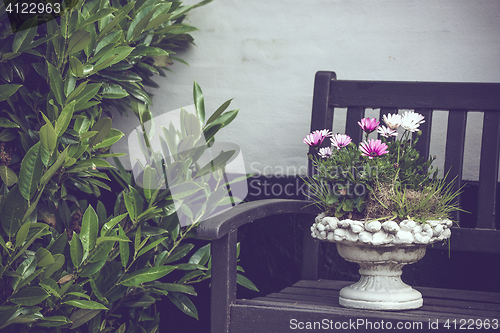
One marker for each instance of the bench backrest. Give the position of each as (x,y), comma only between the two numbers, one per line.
(426,98)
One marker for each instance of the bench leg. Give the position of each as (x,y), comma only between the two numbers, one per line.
(223,281)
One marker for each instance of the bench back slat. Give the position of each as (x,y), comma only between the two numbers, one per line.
(415,95)
(424,142)
(488,171)
(454,153)
(354,114)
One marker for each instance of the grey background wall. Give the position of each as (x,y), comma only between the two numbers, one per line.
(264,54)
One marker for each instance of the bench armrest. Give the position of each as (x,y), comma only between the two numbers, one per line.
(220,225)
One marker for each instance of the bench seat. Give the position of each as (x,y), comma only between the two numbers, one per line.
(308,302)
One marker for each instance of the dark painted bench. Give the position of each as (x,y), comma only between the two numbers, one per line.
(312,304)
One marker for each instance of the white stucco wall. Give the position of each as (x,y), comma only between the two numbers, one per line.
(264,54)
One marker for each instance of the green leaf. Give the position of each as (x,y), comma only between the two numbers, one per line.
(93,267)
(158,20)
(8,176)
(22,233)
(51,286)
(139,301)
(6,123)
(76,66)
(179,253)
(111,38)
(83,304)
(101,251)
(183,303)
(8,134)
(191,128)
(64,118)
(78,294)
(56,83)
(201,256)
(83,98)
(83,165)
(29,296)
(136,91)
(59,260)
(53,321)
(7,90)
(219,111)
(118,18)
(148,51)
(111,57)
(245,282)
(100,14)
(6,313)
(107,227)
(48,137)
(181,288)
(54,167)
(103,127)
(225,119)
(191,267)
(133,203)
(90,229)
(44,257)
(149,181)
(76,250)
(78,93)
(113,136)
(140,22)
(78,41)
(217,163)
(199,103)
(124,248)
(24,36)
(97,292)
(12,212)
(113,91)
(112,239)
(82,316)
(87,135)
(151,246)
(31,239)
(146,275)
(124,76)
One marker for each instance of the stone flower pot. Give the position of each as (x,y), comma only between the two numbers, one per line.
(381,250)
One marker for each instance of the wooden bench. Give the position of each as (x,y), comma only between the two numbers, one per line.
(312,304)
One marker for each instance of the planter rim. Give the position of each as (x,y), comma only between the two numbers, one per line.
(407,233)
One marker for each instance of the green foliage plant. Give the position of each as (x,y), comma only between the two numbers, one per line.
(67,261)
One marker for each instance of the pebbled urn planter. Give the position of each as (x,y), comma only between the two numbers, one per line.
(381,250)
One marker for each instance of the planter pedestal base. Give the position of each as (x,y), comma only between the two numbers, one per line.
(380,286)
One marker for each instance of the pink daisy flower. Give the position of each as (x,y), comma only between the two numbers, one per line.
(340,140)
(373,148)
(369,124)
(325,152)
(316,137)
(387,132)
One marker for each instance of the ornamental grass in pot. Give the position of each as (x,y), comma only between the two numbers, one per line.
(382,205)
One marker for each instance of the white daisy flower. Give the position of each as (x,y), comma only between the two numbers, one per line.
(411,121)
